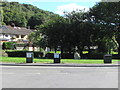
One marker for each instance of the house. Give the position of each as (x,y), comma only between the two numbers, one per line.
(16,34)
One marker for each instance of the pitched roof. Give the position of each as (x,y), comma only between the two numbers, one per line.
(14,30)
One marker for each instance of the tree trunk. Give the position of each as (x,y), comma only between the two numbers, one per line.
(118,41)
(61,52)
(70,52)
(119,49)
(55,50)
(80,50)
(89,50)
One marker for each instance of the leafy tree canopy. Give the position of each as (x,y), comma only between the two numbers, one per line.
(21,14)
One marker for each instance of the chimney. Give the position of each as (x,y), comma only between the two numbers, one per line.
(12,25)
(28,27)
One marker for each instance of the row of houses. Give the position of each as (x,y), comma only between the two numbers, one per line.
(16,34)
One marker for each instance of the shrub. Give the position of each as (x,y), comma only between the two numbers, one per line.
(93,56)
(63,56)
(16,53)
(38,54)
(49,55)
(96,56)
(116,56)
(8,45)
(67,56)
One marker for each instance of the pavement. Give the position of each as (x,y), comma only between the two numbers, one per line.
(60,64)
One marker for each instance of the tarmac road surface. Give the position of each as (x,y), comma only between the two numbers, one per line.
(59,77)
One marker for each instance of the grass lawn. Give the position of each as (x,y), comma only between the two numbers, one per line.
(114,52)
(84,52)
(81,61)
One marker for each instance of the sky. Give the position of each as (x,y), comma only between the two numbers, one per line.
(59,6)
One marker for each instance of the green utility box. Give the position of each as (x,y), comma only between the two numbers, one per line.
(29,57)
(108,58)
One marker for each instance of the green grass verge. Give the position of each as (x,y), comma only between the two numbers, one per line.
(81,61)
(114,52)
(84,52)
(54,52)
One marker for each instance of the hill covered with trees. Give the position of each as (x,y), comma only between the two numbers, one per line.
(23,15)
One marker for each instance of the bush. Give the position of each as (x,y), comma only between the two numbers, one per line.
(116,56)
(38,54)
(67,56)
(15,53)
(8,45)
(64,56)
(96,56)
(93,56)
(49,55)
(99,56)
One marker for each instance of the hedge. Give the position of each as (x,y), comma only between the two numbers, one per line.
(98,56)
(64,56)
(116,56)
(49,55)
(92,56)
(67,56)
(23,54)
(71,56)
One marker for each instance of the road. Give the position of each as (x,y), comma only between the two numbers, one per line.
(59,77)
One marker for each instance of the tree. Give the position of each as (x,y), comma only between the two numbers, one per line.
(20,13)
(34,38)
(53,31)
(81,29)
(107,15)
(35,20)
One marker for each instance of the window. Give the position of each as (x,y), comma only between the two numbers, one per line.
(6,35)
(22,36)
(17,36)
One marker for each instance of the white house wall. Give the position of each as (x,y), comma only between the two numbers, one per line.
(1,35)
(5,36)
(8,37)
(25,37)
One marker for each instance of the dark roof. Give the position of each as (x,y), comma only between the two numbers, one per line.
(14,30)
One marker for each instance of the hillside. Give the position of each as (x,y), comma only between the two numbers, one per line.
(21,14)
